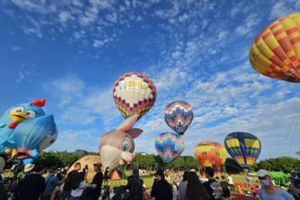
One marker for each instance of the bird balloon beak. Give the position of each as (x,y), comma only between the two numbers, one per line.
(18,116)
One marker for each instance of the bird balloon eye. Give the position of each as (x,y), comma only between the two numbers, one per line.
(17,109)
(125,146)
(30,113)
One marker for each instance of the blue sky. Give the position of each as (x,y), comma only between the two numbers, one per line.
(72,51)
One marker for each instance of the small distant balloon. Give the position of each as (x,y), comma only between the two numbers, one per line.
(179,115)
(169,146)
(134,93)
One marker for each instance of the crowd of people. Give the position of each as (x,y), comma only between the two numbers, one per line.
(38,183)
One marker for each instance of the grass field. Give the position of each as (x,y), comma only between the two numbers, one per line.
(148,181)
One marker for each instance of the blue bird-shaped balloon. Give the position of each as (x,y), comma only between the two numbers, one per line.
(34,135)
(15,116)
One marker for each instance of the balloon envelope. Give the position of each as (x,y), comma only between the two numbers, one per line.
(134,93)
(169,146)
(179,115)
(38,133)
(210,154)
(276,50)
(90,161)
(244,148)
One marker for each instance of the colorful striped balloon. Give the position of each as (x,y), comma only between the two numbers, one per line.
(179,115)
(244,148)
(210,154)
(276,50)
(134,93)
(169,146)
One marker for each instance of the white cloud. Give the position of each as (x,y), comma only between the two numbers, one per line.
(21,76)
(249,24)
(66,89)
(281,8)
(80,104)
(72,140)
(15,48)
(64,16)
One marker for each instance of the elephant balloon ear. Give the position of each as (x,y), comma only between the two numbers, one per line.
(135,132)
(128,123)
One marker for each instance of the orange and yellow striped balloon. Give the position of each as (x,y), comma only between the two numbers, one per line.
(210,154)
(276,50)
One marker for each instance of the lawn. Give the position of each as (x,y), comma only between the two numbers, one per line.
(148,181)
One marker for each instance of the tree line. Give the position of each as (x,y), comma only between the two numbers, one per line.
(152,162)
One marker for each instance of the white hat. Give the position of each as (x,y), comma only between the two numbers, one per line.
(28,167)
(262,173)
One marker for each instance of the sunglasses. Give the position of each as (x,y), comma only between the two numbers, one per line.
(262,178)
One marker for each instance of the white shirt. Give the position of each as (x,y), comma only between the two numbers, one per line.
(78,191)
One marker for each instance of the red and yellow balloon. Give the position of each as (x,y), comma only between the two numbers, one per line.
(276,50)
(210,154)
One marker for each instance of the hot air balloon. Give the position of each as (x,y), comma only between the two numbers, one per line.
(244,148)
(276,50)
(210,154)
(179,115)
(34,135)
(134,93)
(90,161)
(169,146)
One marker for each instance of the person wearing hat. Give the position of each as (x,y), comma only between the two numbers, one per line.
(28,169)
(268,190)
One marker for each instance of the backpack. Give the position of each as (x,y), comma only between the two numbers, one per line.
(217,190)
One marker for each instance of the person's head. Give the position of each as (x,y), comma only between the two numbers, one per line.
(39,169)
(209,172)
(185,176)
(223,178)
(97,167)
(135,173)
(77,166)
(160,174)
(264,178)
(52,170)
(195,189)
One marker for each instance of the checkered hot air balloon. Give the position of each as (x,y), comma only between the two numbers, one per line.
(169,146)
(244,148)
(134,93)
(210,154)
(179,115)
(276,50)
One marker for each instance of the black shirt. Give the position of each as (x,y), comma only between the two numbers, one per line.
(135,187)
(98,179)
(162,190)
(73,180)
(31,187)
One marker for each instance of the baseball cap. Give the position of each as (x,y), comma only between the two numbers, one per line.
(262,173)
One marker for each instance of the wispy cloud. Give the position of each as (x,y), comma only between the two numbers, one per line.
(15,48)
(281,8)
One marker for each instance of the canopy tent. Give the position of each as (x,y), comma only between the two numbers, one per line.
(279,178)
